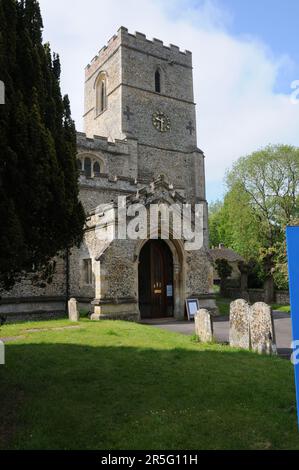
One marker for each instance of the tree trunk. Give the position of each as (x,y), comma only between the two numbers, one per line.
(244,282)
(269,290)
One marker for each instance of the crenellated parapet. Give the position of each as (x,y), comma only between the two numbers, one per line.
(139,41)
(115,158)
(99,143)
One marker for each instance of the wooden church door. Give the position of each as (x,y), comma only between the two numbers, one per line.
(156,280)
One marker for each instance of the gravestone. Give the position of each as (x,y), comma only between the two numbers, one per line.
(239,335)
(73,310)
(262,332)
(204,326)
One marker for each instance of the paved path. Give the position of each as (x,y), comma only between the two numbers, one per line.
(282,324)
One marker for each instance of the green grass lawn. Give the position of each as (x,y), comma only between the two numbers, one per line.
(281,308)
(116,385)
(223,305)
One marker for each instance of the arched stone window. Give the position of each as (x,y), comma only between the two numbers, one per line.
(90,165)
(158,81)
(87,167)
(96,169)
(101,93)
(79,164)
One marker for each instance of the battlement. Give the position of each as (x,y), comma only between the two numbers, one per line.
(154,45)
(139,41)
(102,143)
(104,181)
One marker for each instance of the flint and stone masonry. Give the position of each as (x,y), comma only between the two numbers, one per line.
(140,142)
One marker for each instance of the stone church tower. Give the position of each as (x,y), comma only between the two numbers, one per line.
(139,142)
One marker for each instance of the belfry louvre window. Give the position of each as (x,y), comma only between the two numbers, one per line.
(101,94)
(87,271)
(158,81)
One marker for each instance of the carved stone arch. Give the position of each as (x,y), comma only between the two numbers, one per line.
(101,161)
(101,96)
(97,170)
(161,71)
(101,74)
(94,158)
(179,272)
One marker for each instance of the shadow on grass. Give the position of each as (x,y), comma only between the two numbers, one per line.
(18,319)
(70,396)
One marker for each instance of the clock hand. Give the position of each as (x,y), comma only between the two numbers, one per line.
(162,122)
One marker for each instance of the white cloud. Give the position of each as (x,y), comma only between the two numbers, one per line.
(234,78)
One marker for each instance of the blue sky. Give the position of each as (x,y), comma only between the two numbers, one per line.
(275,22)
(245,57)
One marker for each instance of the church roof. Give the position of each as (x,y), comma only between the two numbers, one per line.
(225,253)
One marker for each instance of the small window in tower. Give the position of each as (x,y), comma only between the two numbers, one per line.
(103,96)
(158,81)
(96,169)
(87,271)
(101,93)
(87,167)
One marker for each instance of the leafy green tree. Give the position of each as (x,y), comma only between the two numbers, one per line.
(231,223)
(39,207)
(262,198)
(269,180)
(217,225)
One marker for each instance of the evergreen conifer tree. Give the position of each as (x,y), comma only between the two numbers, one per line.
(40,212)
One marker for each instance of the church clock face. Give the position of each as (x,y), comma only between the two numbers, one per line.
(161,122)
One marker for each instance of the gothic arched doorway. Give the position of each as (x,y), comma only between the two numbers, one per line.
(156,289)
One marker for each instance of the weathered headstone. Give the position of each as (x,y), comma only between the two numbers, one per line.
(239,336)
(73,310)
(204,326)
(262,332)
